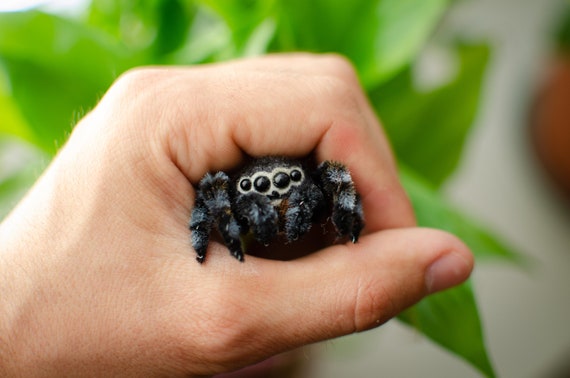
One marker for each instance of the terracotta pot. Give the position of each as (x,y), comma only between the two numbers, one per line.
(551,124)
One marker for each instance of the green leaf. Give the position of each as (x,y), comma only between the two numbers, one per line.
(428,130)
(12,188)
(173,21)
(114,18)
(260,39)
(49,114)
(432,210)
(12,122)
(244,19)
(562,32)
(378,36)
(57,69)
(451,319)
(404,26)
(154,28)
(20,166)
(209,40)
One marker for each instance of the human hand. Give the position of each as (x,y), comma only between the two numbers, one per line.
(96,270)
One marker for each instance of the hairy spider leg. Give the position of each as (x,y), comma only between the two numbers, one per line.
(213,205)
(301,208)
(200,227)
(337,185)
(259,215)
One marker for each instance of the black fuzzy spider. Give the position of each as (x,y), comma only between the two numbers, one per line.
(271,196)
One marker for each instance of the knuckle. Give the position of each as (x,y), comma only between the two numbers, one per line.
(338,81)
(341,67)
(142,94)
(343,96)
(140,76)
(140,84)
(373,305)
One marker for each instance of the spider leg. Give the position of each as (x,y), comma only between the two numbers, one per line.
(200,227)
(338,187)
(301,206)
(230,231)
(213,205)
(259,215)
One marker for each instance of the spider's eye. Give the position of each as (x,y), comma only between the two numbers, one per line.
(281,180)
(261,184)
(296,175)
(245,184)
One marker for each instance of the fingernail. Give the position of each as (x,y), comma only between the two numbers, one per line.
(449,270)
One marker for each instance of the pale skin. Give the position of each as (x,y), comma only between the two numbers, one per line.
(97,274)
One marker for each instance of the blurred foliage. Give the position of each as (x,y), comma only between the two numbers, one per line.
(53,69)
(411,116)
(562,30)
(432,317)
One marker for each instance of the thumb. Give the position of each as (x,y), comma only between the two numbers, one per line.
(354,287)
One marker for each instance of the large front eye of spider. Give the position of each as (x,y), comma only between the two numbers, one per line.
(281,180)
(262,184)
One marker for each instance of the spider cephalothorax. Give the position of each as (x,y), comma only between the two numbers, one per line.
(271,196)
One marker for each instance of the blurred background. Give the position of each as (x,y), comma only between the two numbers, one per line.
(525,313)
(463,89)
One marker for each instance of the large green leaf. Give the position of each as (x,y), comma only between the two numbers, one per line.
(243,19)
(11,121)
(432,210)
(450,318)
(173,21)
(428,130)
(57,69)
(378,36)
(216,36)
(12,188)
(19,168)
(210,40)
(154,28)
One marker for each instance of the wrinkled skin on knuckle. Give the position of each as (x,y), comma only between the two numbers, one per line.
(373,305)
(339,66)
(342,94)
(132,100)
(145,96)
(138,80)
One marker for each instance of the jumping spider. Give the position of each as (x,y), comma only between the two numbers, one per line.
(271,196)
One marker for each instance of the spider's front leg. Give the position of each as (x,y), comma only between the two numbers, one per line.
(257,213)
(213,206)
(337,185)
(301,206)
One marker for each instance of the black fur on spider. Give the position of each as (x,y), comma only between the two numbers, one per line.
(273,196)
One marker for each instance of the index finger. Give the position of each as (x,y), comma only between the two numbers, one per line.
(358,142)
(206,118)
